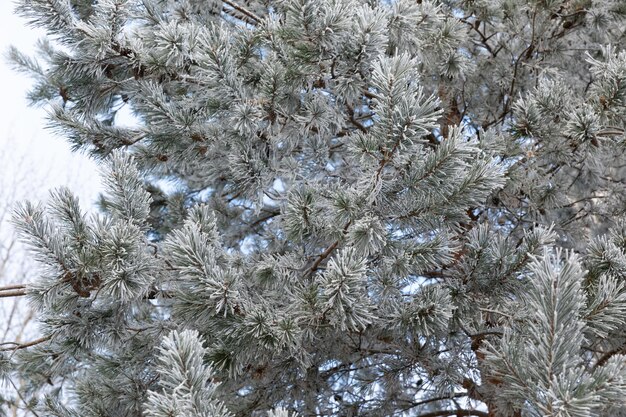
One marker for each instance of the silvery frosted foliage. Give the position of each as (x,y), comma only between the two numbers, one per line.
(552,338)
(340,207)
(186,380)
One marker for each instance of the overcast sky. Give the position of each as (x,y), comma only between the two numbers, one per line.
(27,150)
(32,159)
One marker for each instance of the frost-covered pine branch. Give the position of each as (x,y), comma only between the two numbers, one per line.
(334,207)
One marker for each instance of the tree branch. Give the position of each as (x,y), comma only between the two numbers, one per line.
(243,11)
(483,38)
(18,346)
(455,413)
(26,403)
(442,398)
(262,219)
(12,287)
(325,254)
(608,355)
(16,293)
(354,121)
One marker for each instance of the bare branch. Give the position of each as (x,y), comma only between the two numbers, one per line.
(16,293)
(244,11)
(455,413)
(18,346)
(13,287)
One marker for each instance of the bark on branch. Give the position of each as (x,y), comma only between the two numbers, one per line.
(455,413)
(14,293)
(243,11)
(18,346)
(12,287)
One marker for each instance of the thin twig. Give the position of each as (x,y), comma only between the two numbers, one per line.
(325,254)
(489,310)
(610,132)
(457,413)
(243,10)
(442,398)
(608,355)
(10,319)
(19,394)
(354,121)
(135,139)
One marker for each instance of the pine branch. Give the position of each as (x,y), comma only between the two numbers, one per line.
(263,219)
(16,293)
(18,346)
(243,10)
(611,131)
(370,95)
(12,287)
(484,39)
(455,413)
(354,121)
(608,355)
(419,228)
(435,399)
(325,254)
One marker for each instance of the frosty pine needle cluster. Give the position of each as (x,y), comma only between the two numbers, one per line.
(330,208)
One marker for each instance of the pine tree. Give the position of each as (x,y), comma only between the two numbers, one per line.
(331,207)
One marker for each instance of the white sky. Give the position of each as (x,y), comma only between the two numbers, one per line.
(27,150)
(32,161)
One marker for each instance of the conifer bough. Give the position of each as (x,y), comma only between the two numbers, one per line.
(330,208)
